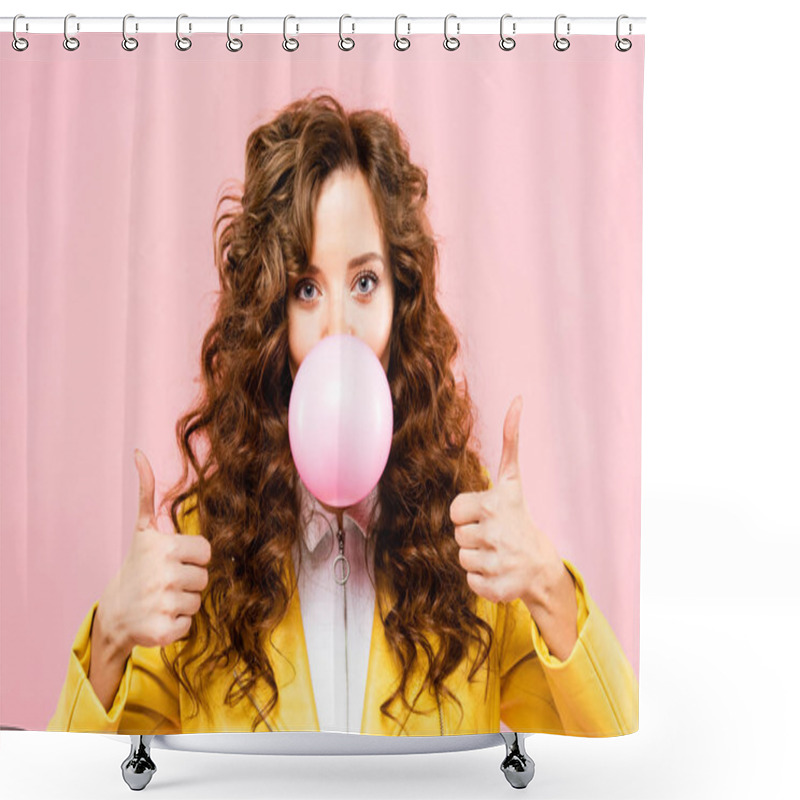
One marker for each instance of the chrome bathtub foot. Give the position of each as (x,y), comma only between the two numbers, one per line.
(138,767)
(518,766)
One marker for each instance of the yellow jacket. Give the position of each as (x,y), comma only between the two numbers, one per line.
(593,693)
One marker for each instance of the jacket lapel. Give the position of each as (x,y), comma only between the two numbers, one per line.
(296,709)
(383,678)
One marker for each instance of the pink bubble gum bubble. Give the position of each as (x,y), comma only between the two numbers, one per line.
(340,420)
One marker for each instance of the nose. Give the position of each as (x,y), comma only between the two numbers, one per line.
(338,321)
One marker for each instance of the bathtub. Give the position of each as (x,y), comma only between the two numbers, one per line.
(138,768)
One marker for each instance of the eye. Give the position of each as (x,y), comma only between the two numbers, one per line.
(362,284)
(363,280)
(299,291)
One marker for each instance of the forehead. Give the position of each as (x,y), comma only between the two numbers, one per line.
(346,209)
(346,227)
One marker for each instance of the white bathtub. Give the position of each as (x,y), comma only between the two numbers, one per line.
(138,768)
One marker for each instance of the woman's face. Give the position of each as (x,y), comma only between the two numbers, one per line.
(348,287)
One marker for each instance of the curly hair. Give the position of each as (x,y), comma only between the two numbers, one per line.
(236,437)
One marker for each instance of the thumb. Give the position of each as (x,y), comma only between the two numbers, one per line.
(147,488)
(509,460)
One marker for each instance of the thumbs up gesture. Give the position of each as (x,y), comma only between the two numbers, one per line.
(152,599)
(505,555)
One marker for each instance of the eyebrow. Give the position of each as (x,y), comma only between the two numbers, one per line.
(354,263)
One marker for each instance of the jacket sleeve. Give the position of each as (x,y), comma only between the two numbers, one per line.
(147,700)
(594,692)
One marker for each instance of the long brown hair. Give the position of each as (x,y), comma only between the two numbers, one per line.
(243,484)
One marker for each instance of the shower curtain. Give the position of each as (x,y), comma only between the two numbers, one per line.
(455,547)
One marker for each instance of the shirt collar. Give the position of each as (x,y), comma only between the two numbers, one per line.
(316,521)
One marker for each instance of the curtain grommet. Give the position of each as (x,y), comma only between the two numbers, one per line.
(234,45)
(561,43)
(345,42)
(70,42)
(17,42)
(183,43)
(129,43)
(400,42)
(507,42)
(289,44)
(451,43)
(623,45)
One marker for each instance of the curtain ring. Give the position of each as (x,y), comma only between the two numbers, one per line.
(560,42)
(70,42)
(17,42)
(451,42)
(623,45)
(182,42)
(400,42)
(506,42)
(234,45)
(289,44)
(345,43)
(128,42)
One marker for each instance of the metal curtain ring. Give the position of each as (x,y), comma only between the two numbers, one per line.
(234,45)
(623,45)
(451,42)
(345,43)
(401,43)
(17,42)
(182,42)
(506,42)
(560,43)
(289,44)
(70,42)
(128,42)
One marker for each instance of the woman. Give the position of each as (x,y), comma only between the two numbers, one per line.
(474,616)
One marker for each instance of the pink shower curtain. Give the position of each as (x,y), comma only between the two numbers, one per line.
(112,166)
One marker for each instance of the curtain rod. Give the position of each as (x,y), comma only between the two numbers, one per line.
(297,24)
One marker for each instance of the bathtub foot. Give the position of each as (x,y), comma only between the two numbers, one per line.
(518,766)
(138,767)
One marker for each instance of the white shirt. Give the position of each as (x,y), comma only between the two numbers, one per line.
(338,657)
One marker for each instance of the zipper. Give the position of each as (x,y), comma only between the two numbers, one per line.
(342,581)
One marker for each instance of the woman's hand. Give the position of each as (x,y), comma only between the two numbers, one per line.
(152,599)
(507,557)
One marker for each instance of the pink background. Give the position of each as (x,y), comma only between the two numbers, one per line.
(110,168)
